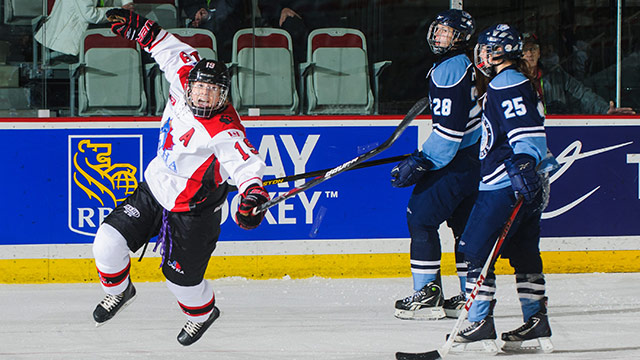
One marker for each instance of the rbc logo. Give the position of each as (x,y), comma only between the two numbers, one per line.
(103,171)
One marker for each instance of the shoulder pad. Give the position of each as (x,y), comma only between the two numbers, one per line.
(451,71)
(507,79)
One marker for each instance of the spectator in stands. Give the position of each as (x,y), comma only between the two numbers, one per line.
(222,17)
(562,93)
(298,18)
(62,30)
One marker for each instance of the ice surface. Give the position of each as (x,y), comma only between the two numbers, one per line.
(593,316)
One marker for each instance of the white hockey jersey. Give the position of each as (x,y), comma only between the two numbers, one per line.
(195,155)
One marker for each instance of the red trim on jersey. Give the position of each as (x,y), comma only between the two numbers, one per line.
(183,73)
(216,173)
(246,181)
(194,183)
(228,119)
(158,40)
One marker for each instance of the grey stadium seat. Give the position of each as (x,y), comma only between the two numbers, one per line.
(108,75)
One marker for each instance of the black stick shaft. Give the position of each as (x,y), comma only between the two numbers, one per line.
(415,110)
(311,174)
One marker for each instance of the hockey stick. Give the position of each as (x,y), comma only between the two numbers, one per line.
(416,110)
(493,255)
(310,174)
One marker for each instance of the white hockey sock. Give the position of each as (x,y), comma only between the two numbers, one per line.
(195,301)
(111,254)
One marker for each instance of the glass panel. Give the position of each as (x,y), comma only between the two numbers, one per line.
(577,47)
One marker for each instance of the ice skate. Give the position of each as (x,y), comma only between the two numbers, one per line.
(192,331)
(533,336)
(453,306)
(425,304)
(479,336)
(112,304)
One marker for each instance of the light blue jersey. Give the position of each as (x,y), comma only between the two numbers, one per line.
(454,109)
(512,123)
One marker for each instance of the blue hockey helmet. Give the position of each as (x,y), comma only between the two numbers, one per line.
(462,27)
(496,44)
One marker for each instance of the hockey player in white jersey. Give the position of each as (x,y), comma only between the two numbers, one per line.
(513,144)
(446,169)
(202,146)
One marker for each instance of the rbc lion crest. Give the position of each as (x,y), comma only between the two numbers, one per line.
(103,171)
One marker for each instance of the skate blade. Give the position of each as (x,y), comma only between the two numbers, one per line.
(119,311)
(422,314)
(534,346)
(486,347)
(452,313)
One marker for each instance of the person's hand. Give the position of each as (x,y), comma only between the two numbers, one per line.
(524,178)
(613,110)
(410,170)
(285,13)
(200,17)
(254,196)
(133,26)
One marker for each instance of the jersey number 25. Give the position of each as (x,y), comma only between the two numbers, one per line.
(512,105)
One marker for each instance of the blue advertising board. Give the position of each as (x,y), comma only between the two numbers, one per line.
(65,179)
(61,179)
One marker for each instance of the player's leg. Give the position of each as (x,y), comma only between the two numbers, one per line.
(524,255)
(465,170)
(457,222)
(431,203)
(485,223)
(127,227)
(188,248)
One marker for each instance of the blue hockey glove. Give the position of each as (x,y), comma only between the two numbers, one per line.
(524,177)
(410,170)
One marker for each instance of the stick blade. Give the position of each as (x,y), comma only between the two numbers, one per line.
(429,355)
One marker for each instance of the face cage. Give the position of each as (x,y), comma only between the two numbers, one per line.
(486,67)
(207,112)
(431,38)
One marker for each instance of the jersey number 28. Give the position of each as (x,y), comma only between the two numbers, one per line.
(441,107)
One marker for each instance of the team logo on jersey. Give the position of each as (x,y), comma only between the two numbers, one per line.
(226,119)
(166,139)
(175,265)
(487,139)
(165,144)
(103,171)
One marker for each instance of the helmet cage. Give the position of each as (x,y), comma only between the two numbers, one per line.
(459,22)
(493,56)
(209,72)
(495,45)
(433,43)
(207,111)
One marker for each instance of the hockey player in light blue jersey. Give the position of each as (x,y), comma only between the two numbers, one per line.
(513,144)
(446,169)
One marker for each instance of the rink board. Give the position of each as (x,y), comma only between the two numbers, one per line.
(64,175)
